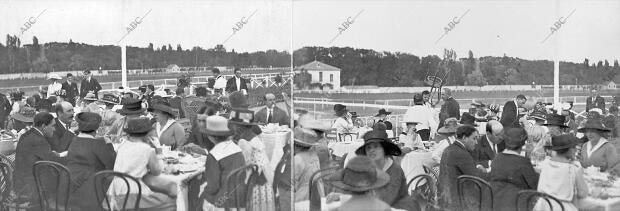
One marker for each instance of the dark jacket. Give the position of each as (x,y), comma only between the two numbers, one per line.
(87,156)
(456,160)
(216,174)
(5,109)
(509,115)
(87,86)
(483,152)
(278,116)
(509,175)
(231,84)
(71,91)
(395,192)
(450,108)
(62,138)
(199,138)
(599,102)
(31,147)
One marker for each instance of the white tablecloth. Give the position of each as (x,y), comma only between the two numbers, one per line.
(341,148)
(305,205)
(273,146)
(181,181)
(610,204)
(412,163)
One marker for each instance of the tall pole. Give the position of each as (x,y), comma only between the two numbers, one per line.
(556,64)
(124,65)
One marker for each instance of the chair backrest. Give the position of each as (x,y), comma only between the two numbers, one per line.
(342,137)
(236,185)
(5,182)
(53,182)
(315,197)
(430,171)
(485,201)
(102,181)
(529,198)
(7,160)
(423,188)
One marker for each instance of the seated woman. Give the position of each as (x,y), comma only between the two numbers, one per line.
(137,157)
(223,159)
(511,172)
(598,152)
(359,179)
(168,131)
(86,156)
(305,162)
(198,141)
(449,132)
(560,176)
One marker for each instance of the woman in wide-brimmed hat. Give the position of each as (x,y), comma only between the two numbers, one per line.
(246,135)
(138,157)
(132,109)
(169,132)
(382,117)
(561,176)
(448,131)
(381,151)
(598,151)
(410,138)
(343,122)
(359,179)
(86,156)
(22,121)
(321,128)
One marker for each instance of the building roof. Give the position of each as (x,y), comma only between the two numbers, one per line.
(317,66)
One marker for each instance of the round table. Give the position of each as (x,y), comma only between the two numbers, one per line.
(274,142)
(413,162)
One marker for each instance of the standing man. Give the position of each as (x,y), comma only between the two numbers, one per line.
(218,83)
(89,84)
(272,113)
(71,89)
(237,83)
(510,113)
(595,101)
(425,116)
(63,135)
(450,108)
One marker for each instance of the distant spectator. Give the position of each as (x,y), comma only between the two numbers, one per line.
(217,83)
(89,84)
(595,101)
(71,89)
(612,121)
(237,83)
(510,114)
(450,107)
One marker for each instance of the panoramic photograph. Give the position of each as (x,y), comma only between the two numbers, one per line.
(310,105)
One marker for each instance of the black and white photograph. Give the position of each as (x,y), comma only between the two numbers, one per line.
(277,105)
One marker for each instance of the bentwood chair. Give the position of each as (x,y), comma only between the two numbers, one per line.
(529,198)
(102,181)
(239,187)
(53,182)
(315,181)
(424,189)
(8,200)
(474,191)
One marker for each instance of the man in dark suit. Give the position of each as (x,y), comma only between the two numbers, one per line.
(62,134)
(32,147)
(237,83)
(89,84)
(595,101)
(71,89)
(510,112)
(489,144)
(272,113)
(456,160)
(450,107)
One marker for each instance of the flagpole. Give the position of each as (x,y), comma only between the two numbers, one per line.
(556,67)
(124,66)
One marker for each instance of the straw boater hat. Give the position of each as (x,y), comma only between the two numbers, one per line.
(25,114)
(449,127)
(110,98)
(595,124)
(90,97)
(53,76)
(564,142)
(138,126)
(88,121)
(360,175)
(131,106)
(377,137)
(217,126)
(556,120)
(305,137)
(163,107)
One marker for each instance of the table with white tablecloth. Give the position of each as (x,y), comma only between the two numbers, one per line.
(341,148)
(274,142)
(305,205)
(412,163)
(190,167)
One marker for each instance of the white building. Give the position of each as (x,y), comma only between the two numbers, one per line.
(322,73)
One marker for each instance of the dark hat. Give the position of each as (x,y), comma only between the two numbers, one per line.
(163,107)
(131,106)
(468,119)
(515,137)
(110,98)
(557,120)
(340,109)
(217,126)
(241,117)
(359,175)
(383,111)
(564,142)
(238,100)
(138,126)
(375,136)
(593,123)
(88,121)
(17,95)
(539,114)
(142,88)
(25,114)
(353,114)
(305,137)
(418,99)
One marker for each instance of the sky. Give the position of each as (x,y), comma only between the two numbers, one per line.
(488,28)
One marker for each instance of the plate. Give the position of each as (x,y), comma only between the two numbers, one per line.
(188,167)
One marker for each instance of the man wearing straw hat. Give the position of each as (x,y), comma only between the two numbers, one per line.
(55,86)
